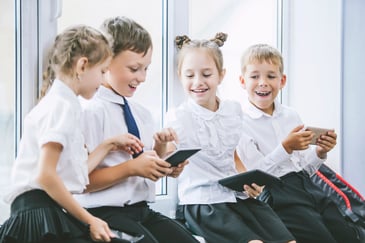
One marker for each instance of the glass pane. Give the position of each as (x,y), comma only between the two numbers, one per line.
(7,106)
(246,22)
(150,17)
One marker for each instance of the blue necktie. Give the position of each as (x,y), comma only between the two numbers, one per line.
(131,123)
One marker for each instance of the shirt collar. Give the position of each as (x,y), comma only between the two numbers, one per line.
(205,113)
(109,95)
(256,113)
(61,88)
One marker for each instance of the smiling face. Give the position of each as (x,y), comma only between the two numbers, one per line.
(127,71)
(263,81)
(200,77)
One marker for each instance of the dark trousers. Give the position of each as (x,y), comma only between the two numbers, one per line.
(308,213)
(139,218)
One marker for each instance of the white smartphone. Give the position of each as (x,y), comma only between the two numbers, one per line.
(180,155)
(318,131)
(125,237)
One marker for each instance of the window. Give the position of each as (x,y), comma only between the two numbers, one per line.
(7,98)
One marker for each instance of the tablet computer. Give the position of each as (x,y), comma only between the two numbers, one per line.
(258,177)
(180,155)
(124,237)
(318,131)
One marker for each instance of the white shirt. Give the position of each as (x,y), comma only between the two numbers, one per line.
(261,143)
(103,118)
(217,133)
(56,118)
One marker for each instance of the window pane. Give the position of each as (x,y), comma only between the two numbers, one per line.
(246,22)
(7,106)
(150,17)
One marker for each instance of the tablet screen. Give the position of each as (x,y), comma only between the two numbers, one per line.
(180,155)
(258,177)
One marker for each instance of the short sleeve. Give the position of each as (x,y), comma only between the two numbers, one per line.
(57,123)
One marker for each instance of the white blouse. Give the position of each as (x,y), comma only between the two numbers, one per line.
(217,133)
(261,143)
(56,118)
(103,118)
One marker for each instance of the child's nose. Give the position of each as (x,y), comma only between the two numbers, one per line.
(262,82)
(141,76)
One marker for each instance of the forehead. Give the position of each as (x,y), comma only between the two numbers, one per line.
(197,58)
(262,66)
(131,57)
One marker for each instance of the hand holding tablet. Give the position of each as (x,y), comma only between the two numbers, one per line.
(258,177)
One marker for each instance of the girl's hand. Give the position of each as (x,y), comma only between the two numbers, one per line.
(253,190)
(164,136)
(176,170)
(99,230)
(128,143)
(326,143)
(150,166)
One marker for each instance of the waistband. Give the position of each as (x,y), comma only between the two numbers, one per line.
(32,199)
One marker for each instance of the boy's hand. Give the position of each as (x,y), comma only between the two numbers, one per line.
(128,143)
(325,143)
(253,190)
(164,136)
(150,166)
(298,139)
(176,170)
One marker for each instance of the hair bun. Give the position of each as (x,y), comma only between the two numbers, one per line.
(220,38)
(180,40)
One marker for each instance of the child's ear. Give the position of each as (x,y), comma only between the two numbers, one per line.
(282,81)
(81,65)
(242,81)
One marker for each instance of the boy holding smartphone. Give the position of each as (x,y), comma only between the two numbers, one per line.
(274,140)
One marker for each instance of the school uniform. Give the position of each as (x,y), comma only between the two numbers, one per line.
(217,213)
(304,208)
(34,216)
(124,206)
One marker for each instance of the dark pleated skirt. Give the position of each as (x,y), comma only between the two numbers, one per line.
(35,217)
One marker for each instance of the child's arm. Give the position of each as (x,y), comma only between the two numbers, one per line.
(162,138)
(147,165)
(50,182)
(126,142)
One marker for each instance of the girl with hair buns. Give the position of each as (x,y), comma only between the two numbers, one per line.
(52,161)
(206,121)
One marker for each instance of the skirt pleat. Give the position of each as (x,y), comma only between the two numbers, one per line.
(41,220)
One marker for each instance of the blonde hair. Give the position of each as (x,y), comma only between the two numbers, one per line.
(262,53)
(73,43)
(185,44)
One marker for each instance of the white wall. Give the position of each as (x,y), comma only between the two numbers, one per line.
(312,53)
(324,51)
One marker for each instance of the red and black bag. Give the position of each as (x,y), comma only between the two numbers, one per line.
(349,201)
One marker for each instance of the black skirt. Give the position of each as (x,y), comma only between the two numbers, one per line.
(36,217)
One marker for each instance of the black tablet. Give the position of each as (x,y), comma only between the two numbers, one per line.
(180,155)
(258,177)
(123,237)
